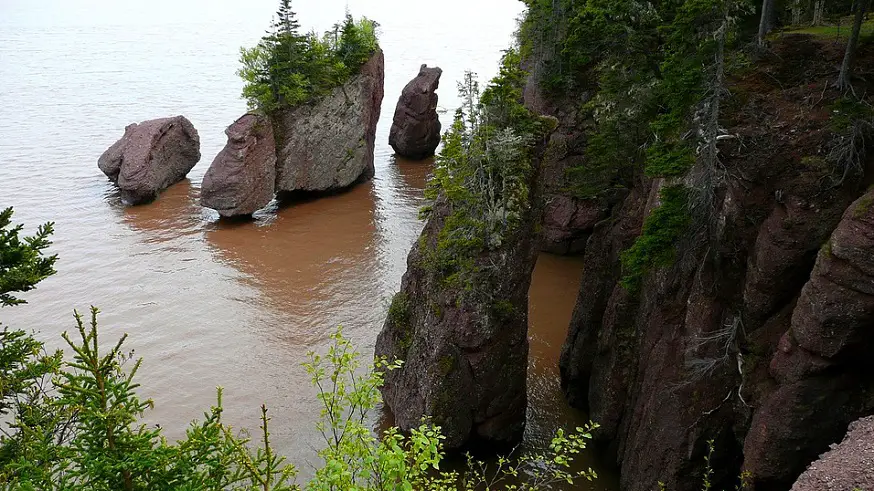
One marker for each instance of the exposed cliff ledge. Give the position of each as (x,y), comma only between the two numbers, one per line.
(323,146)
(690,358)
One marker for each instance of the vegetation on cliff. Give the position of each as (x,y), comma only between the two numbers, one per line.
(77,423)
(287,68)
(483,172)
(654,75)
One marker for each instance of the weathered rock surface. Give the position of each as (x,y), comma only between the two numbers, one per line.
(568,220)
(847,466)
(150,157)
(465,345)
(823,363)
(758,338)
(241,179)
(328,145)
(465,362)
(415,131)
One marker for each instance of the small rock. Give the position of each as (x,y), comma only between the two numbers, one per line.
(241,179)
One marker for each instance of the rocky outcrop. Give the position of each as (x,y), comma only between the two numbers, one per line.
(465,359)
(328,145)
(823,363)
(568,220)
(150,157)
(847,466)
(241,179)
(757,336)
(415,131)
(460,321)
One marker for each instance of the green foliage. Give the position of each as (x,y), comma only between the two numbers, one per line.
(100,443)
(657,243)
(286,69)
(483,173)
(22,263)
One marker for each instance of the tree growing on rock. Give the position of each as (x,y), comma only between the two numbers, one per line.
(286,68)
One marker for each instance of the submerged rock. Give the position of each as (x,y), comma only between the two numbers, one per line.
(415,132)
(241,179)
(150,157)
(328,145)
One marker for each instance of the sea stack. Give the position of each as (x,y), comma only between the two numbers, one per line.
(328,145)
(150,157)
(415,132)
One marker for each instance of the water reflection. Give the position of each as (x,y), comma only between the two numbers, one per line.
(313,263)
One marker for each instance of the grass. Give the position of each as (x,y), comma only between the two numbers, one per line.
(840,31)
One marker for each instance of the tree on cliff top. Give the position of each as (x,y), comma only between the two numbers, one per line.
(286,69)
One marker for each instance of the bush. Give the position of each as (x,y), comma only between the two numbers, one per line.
(286,69)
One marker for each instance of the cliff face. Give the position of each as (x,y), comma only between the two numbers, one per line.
(757,338)
(567,220)
(328,145)
(466,359)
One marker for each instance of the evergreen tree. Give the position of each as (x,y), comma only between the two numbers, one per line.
(22,263)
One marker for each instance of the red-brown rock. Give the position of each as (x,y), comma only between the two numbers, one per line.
(241,179)
(150,157)
(415,131)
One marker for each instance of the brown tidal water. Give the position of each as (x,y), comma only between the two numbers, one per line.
(234,304)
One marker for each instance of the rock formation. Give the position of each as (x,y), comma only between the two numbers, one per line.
(568,220)
(758,338)
(460,320)
(150,157)
(241,179)
(328,145)
(822,366)
(848,465)
(465,361)
(415,132)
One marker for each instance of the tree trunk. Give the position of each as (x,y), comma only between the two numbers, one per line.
(765,22)
(796,12)
(818,12)
(844,82)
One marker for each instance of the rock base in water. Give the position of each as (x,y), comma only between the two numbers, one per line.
(415,132)
(240,180)
(150,157)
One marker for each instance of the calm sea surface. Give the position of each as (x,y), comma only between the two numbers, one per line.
(208,303)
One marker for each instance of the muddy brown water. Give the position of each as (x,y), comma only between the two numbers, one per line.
(211,303)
